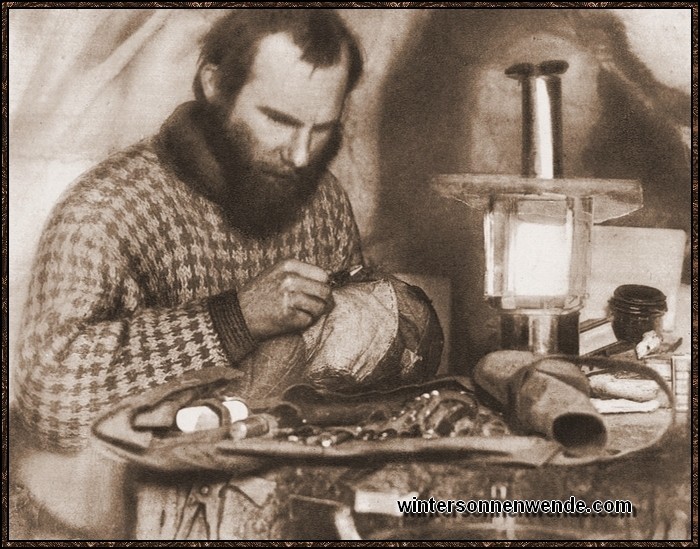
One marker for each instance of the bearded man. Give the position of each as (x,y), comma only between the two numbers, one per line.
(190,248)
(185,251)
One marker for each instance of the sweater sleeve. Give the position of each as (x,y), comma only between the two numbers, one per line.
(91,335)
(230,324)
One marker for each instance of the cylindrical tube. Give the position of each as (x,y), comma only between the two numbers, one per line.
(542,140)
(253,426)
(540,332)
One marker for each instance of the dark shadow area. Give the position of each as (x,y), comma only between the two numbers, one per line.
(636,142)
(638,132)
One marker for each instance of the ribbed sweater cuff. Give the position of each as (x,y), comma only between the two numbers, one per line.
(229,323)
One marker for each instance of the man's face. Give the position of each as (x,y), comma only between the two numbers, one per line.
(281,128)
(289,107)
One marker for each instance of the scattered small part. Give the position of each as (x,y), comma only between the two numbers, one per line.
(650,342)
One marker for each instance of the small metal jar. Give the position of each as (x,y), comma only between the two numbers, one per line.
(636,309)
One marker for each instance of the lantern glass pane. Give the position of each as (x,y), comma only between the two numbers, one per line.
(537,251)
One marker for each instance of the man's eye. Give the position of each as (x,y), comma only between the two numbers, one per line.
(280,120)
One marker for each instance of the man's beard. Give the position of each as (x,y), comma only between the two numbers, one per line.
(259,199)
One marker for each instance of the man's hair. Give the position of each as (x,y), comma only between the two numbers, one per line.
(232,44)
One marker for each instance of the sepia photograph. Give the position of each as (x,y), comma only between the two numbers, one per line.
(359,271)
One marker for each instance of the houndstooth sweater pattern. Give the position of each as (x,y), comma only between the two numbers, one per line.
(135,284)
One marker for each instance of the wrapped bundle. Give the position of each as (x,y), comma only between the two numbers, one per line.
(380,334)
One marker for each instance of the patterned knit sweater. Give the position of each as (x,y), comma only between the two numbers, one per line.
(135,284)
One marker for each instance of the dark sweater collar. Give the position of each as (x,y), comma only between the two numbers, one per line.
(182,145)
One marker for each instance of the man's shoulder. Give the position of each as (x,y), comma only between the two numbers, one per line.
(122,172)
(129,176)
(140,159)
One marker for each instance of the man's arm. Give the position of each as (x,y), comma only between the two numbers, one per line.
(92,337)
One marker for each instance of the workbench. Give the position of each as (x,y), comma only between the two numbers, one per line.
(298,500)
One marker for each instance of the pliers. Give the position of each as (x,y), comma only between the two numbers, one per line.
(207,498)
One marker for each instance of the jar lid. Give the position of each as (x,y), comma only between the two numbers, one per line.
(637,310)
(636,294)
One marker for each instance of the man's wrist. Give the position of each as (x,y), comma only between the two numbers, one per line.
(230,325)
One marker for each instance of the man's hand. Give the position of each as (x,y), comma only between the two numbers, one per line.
(288,297)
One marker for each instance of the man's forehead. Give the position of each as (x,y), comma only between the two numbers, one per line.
(279,76)
(278,52)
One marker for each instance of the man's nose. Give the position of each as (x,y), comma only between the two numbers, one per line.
(299,149)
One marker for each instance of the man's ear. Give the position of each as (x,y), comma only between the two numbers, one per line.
(209,79)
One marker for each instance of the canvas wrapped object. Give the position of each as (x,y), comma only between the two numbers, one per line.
(380,333)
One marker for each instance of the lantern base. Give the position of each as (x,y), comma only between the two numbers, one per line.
(540,332)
